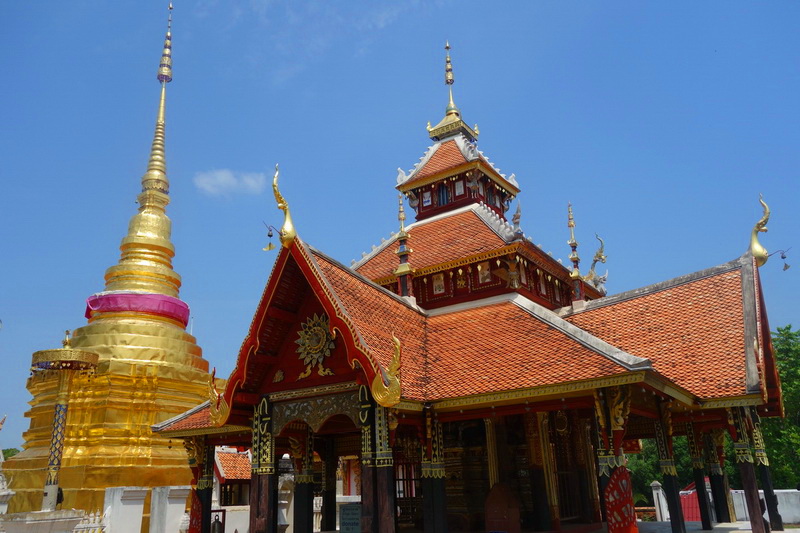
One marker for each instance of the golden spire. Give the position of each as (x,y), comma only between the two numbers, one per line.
(449,80)
(759,252)
(401,215)
(147,251)
(573,244)
(451,124)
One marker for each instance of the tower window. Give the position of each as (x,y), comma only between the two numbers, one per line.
(444,195)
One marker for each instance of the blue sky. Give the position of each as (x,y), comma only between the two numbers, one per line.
(660,121)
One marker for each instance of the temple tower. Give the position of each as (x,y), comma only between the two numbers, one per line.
(149,367)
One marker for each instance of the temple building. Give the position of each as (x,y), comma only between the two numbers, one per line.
(131,366)
(470,382)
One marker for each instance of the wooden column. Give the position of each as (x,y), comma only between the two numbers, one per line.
(196,452)
(762,462)
(549,468)
(663,431)
(698,473)
(491,453)
(205,486)
(331,464)
(369,520)
(744,460)
(612,406)
(303,454)
(715,457)
(434,499)
(541,506)
(263,473)
(384,473)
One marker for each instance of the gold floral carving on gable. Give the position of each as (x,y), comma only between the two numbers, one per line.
(314,344)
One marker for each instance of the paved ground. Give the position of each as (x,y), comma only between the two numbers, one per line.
(664,527)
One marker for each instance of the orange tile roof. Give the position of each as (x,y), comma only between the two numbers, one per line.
(437,240)
(233,465)
(689,330)
(692,332)
(502,347)
(199,419)
(448,155)
(377,315)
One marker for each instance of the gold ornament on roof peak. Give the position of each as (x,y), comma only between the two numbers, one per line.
(287,232)
(451,124)
(599,257)
(449,80)
(759,252)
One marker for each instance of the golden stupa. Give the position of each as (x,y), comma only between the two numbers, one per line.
(149,367)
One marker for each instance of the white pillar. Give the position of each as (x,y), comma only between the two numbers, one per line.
(124,508)
(660,502)
(167,507)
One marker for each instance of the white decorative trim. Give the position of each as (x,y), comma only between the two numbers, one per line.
(501,227)
(420,164)
(468,149)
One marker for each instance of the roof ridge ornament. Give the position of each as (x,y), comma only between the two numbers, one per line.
(449,80)
(760,253)
(451,123)
(287,232)
(599,257)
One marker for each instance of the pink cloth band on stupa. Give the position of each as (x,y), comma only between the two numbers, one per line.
(157,304)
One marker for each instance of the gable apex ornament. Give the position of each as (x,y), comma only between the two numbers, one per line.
(759,252)
(287,232)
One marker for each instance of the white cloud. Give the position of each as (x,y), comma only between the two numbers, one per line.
(225,182)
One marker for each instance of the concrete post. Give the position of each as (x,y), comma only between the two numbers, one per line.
(660,502)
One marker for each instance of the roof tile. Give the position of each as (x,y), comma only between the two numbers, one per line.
(503,347)
(233,465)
(693,333)
(435,241)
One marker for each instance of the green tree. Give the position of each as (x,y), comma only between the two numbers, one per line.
(782,435)
(644,470)
(10,452)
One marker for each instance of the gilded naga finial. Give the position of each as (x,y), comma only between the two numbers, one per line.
(387,391)
(759,252)
(287,232)
(66,343)
(599,257)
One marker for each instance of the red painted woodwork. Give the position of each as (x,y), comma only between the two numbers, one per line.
(618,496)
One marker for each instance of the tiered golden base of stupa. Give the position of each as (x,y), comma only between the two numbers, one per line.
(149,370)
